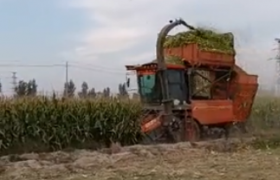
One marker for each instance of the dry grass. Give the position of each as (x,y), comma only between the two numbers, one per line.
(214,160)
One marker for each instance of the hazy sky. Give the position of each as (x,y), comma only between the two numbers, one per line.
(98,37)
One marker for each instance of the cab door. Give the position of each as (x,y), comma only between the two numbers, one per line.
(177,84)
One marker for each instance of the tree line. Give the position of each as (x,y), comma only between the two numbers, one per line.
(29,88)
(70,89)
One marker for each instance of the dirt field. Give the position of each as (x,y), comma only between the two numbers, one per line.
(212,161)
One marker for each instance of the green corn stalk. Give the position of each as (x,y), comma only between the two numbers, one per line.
(42,124)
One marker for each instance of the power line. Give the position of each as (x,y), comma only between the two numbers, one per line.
(62,65)
(96,66)
(97,70)
(32,65)
(66,65)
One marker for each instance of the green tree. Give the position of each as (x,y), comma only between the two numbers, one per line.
(106,92)
(32,88)
(92,93)
(122,90)
(0,87)
(84,92)
(21,89)
(69,89)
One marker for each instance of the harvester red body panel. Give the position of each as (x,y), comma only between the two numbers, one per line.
(244,88)
(196,57)
(231,90)
(209,112)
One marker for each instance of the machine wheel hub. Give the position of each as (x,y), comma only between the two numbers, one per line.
(193,132)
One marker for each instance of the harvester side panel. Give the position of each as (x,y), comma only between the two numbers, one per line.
(209,112)
(244,88)
(192,55)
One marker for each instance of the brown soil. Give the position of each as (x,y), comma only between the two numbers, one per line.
(215,160)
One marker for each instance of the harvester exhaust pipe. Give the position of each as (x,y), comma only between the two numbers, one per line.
(167,102)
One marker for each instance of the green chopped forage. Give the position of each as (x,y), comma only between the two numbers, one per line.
(206,39)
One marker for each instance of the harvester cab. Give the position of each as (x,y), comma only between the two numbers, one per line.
(150,88)
(189,90)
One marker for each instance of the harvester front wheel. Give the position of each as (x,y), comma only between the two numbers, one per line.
(176,129)
(193,130)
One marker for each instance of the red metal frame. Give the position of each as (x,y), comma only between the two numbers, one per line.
(193,56)
(219,110)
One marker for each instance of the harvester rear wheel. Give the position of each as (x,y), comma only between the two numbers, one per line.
(193,130)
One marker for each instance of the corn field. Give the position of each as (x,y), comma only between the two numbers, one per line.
(42,124)
(265,113)
(49,124)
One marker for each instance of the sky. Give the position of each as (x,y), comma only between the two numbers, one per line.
(97,38)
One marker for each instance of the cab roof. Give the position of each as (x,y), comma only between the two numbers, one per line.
(152,65)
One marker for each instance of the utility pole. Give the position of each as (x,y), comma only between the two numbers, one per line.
(66,78)
(277,83)
(14,82)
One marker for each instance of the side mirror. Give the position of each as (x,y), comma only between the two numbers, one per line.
(128,82)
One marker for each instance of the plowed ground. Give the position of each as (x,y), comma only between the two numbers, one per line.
(215,160)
